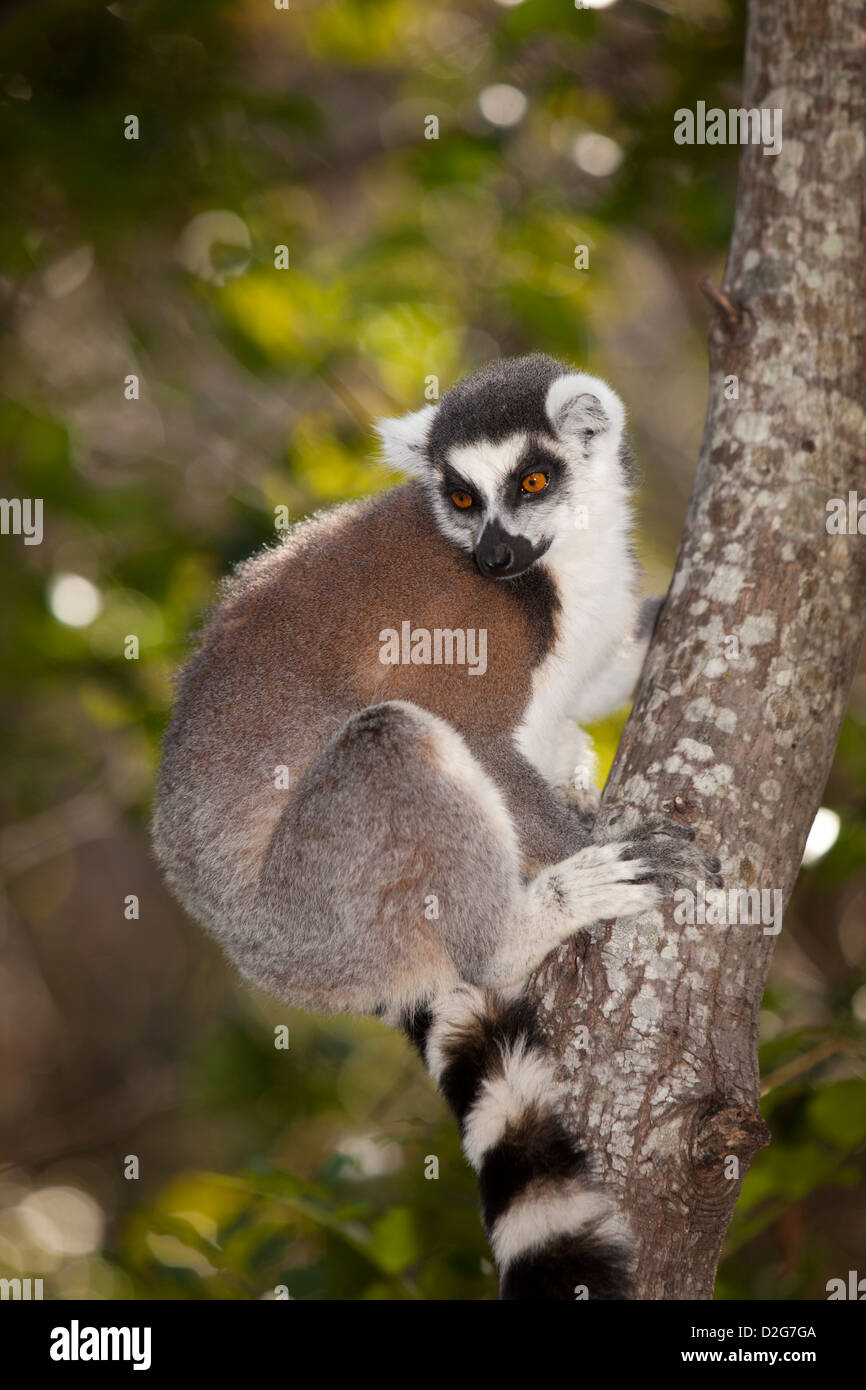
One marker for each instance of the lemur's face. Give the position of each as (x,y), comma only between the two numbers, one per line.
(503,501)
(507,455)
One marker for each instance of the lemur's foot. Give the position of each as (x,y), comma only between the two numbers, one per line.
(666,844)
(600,882)
(620,878)
(676,862)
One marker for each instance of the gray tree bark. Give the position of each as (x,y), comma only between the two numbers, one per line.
(737,738)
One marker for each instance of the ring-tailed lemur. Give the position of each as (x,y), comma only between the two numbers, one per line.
(369,833)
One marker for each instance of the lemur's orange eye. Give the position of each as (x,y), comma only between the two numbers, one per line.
(534,482)
(461,499)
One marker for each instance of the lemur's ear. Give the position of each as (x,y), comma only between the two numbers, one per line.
(582,409)
(405,440)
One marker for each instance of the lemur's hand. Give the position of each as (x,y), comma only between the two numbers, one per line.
(600,882)
(666,845)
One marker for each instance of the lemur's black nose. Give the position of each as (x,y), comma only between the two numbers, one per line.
(495,559)
(501,557)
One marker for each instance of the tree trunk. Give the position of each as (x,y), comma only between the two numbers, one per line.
(744,690)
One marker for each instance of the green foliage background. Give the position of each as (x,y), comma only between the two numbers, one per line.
(309,1168)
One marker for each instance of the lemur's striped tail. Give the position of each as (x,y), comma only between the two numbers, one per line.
(553,1232)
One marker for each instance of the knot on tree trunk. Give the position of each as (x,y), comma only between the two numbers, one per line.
(723,1137)
(723,1129)
(733,324)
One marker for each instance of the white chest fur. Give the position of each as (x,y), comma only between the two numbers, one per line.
(594,661)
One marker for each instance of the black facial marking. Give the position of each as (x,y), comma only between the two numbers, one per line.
(504,398)
(500,554)
(453,482)
(535,459)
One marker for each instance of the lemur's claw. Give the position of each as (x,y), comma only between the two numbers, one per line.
(673,857)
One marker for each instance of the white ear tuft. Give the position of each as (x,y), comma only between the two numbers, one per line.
(405,440)
(582,408)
